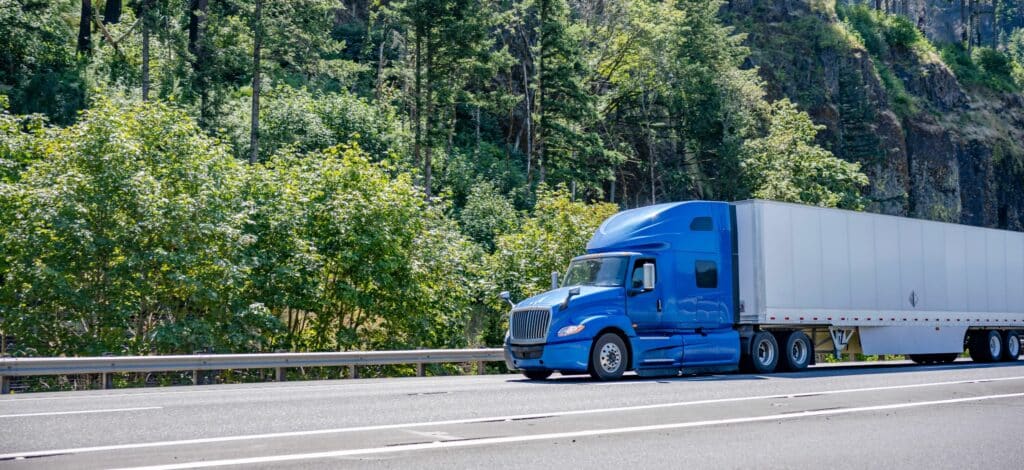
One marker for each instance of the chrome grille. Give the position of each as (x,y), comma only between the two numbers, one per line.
(529,326)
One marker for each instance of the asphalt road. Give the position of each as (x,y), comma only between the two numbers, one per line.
(894,416)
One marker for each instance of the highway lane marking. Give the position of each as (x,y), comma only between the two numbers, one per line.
(80,412)
(382,427)
(493,379)
(370,384)
(437,445)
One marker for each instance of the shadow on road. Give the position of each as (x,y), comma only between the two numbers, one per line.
(821,371)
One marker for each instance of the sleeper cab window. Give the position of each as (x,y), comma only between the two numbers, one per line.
(702,224)
(706,273)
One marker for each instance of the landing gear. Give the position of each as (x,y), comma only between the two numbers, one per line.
(609,357)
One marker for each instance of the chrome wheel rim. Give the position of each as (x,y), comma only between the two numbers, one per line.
(798,353)
(1013,345)
(765,352)
(611,357)
(995,345)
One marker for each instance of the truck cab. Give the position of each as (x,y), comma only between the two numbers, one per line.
(654,293)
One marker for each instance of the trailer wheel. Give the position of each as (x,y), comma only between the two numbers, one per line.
(796,351)
(537,374)
(1011,346)
(986,346)
(609,357)
(764,353)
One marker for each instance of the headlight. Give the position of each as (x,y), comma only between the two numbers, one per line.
(570,330)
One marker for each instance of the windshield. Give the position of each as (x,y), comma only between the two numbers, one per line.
(601,272)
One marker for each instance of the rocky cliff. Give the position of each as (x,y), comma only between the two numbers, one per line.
(932,147)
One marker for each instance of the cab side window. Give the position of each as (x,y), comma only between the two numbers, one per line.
(702,224)
(706,273)
(638,273)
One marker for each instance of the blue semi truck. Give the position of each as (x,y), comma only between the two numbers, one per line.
(706,287)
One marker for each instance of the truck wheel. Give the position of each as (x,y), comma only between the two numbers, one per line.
(796,351)
(764,353)
(1011,346)
(608,358)
(537,374)
(986,346)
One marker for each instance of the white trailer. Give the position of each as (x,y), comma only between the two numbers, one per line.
(880,284)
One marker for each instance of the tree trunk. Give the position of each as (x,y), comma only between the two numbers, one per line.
(145,50)
(528,127)
(257,44)
(417,146)
(200,57)
(429,120)
(112,12)
(995,24)
(85,28)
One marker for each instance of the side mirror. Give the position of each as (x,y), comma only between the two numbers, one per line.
(554,280)
(507,298)
(572,293)
(649,276)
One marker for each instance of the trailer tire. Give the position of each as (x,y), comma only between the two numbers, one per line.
(985,346)
(764,353)
(796,351)
(537,374)
(609,357)
(1011,346)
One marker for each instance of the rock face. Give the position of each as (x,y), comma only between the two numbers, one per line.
(931,148)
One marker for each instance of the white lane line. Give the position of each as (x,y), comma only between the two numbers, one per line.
(382,427)
(561,435)
(80,412)
(371,384)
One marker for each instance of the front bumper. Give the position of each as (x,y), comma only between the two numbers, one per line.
(571,356)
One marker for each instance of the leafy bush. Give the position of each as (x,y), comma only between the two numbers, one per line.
(786,165)
(127,221)
(984,67)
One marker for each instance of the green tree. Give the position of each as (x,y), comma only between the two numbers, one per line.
(786,165)
(127,224)
(39,70)
(354,258)
(487,215)
(556,231)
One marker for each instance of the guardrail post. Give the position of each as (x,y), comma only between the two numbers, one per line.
(353,372)
(195,377)
(481,368)
(279,374)
(108,380)
(5,385)
(421,369)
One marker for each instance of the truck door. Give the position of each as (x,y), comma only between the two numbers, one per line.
(644,307)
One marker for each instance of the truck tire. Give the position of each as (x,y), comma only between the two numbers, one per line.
(796,351)
(537,374)
(985,346)
(1011,346)
(764,353)
(609,357)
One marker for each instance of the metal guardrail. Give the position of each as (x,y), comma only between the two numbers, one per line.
(107,365)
